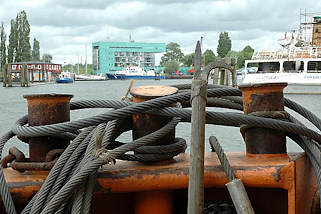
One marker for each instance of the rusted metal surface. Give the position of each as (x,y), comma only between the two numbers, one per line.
(14,154)
(144,124)
(307,199)
(263,97)
(55,153)
(18,161)
(44,109)
(7,159)
(29,165)
(286,178)
(155,202)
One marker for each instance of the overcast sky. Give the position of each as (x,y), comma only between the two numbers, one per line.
(65,27)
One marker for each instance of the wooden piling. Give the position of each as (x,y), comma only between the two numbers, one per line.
(9,76)
(5,76)
(196,169)
(222,76)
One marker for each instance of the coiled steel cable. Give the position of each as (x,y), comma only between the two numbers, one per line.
(60,174)
(92,165)
(4,190)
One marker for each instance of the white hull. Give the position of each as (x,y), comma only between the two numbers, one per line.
(90,77)
(290,78)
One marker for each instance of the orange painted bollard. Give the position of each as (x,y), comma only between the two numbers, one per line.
(44,109)
(260,98)
(144,124)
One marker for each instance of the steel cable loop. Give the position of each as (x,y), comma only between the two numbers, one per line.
(63,162)
(92,166)
(279,115)
(70,165)
(312,151)
(82,199)
(77,205)
(178,145)
(46,130)
(212,118)
(216,147)
(303,112)
(236,120)
(4,190)
(149,154)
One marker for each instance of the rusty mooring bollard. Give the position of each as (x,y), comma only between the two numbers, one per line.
(144,124)
(258,98)
(44,109)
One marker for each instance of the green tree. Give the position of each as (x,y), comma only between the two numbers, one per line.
(208,56)
(3,53)
(23,48)
(173,53)
(188,60)
(46,58)
(224,44)
(245,54)
(36,50)
(12,42)
(171,66)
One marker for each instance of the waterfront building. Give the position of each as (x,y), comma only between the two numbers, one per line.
(109,57)
(37,71)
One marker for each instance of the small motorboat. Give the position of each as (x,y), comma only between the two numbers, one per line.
(65,77)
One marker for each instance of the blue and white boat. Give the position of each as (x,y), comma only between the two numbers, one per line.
(134,72)
(65,77)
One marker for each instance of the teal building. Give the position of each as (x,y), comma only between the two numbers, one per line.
(109,57)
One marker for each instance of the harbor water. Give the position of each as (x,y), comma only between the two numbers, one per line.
(13,106)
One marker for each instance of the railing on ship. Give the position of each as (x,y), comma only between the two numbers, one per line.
(293,53)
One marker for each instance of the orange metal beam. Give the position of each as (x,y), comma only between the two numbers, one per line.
(289,172)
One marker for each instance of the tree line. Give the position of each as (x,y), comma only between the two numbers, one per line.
(174,58)
(19,48)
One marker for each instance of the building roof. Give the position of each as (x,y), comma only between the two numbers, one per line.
(34,62)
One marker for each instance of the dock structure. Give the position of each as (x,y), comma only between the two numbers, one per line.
(225,68)
(24,73)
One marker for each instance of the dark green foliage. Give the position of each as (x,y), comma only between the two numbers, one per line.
(3,53)
(188,60)
(171,66)
(19,49)
(12,42)
(23,49)
(173,53)
(36,50)
(46,58)
(224,44)
(208,56)
(241,56)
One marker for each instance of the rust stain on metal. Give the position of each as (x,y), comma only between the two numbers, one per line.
(44,109)
(144,124)
(263,97)
(289,173)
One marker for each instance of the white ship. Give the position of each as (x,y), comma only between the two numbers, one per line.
(299,61)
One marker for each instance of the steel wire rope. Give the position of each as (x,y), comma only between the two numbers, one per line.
(95,163)
(56,170)
(303,111)
(46,130)
(4,190)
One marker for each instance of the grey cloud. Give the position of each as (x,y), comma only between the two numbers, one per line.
(102,4)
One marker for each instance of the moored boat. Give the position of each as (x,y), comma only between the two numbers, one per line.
(82,77)
(299,62)
(65,77)
(134,72)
